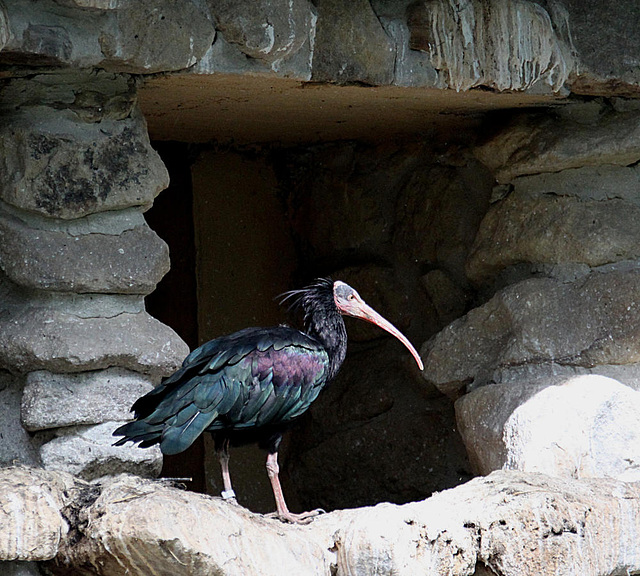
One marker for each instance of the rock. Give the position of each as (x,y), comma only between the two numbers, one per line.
(538,322)
(330,224)
(533,144)
(554,229)
(438,213)
(605,68)
(56,166)
(269,32)
(137,40)
(412,68)
(580,427)
(5,32)
(15,443)
(19,568)
(32,523)
(57,400)
(473,44)
(114,36)
(510,523)
(130,263)
(449,299)
(588,183)
(88,452)
(351,45)
(36,337)
(92,94)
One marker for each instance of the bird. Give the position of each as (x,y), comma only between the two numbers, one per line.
(252,385)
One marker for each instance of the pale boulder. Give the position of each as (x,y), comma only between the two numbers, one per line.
(587,426)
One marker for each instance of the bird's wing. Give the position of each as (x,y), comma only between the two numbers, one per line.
(252,378)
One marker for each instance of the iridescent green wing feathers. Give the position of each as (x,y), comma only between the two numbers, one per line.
(255,377)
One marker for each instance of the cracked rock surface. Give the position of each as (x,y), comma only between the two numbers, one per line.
(511,523)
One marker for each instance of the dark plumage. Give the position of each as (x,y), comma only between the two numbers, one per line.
(249,386)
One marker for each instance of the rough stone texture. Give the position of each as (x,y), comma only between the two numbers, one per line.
(121,37)
(576,427)
(537,143)
(4,27)
(91,94)
(15,444)
(449,299)
(88,452)
(56,400)
(510,523)
(610,67)
(137,42)
(269,32)
(478,43)
(395,201)
(31,512)
(36,337)
(18,568)
(130,263)
(540,321)
(351,45)
(54,165)
(551,228)
(439,210)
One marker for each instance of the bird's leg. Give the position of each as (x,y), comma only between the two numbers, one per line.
(223,457)
(283,513)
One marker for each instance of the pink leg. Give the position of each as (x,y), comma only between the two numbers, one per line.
(283,513)
(223,456)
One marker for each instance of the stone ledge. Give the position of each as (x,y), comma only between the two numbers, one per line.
(511,523)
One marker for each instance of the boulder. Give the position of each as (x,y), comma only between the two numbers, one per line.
(576,427)
(135,40)
(34,337)
(439,209)
(88,452)
(32,521)
(132,262)
(56,400)
(584,323)
(473,44)
(605,68)
(351,45)
(266,31)
(536,143)
(508,524)
(15,443)
(114,36)
(54,165)
(552,229)
(91,94)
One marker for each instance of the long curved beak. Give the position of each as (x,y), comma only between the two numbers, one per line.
(359,309)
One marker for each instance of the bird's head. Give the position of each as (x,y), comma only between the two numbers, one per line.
(323,293)
(349,303)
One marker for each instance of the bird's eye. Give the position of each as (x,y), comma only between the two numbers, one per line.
(352,296)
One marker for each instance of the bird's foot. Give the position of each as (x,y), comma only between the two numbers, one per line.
(229,496)
(291,518)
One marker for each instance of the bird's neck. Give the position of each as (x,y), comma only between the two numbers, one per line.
(332,334)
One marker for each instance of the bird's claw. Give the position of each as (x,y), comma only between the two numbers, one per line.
(229,496)
(302,518)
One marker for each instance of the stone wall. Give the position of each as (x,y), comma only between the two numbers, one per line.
(505,241)
(77,259)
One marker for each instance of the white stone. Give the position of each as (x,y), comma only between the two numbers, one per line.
(88,452)
(56,400)
(586,426)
